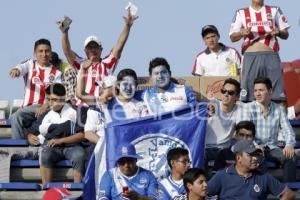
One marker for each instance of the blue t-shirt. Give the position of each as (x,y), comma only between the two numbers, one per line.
(229,185)
(168,189)
(112,182)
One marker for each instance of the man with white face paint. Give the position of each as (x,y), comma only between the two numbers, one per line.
(124,105)
(165,96)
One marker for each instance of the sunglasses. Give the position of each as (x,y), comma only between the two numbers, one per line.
(229,92)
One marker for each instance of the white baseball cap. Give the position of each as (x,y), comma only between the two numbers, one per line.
(92,38)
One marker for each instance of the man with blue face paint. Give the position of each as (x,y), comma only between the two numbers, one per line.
(165,95)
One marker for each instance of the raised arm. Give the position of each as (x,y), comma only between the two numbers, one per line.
(80,88)
(64,26)
(129,19)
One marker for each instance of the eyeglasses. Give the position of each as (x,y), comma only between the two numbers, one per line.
(229,92)
(185,162)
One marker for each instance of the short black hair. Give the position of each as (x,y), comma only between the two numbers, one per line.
(55,60)
(175,154)
(191,175)
(246,125)
(264,80)
(234,82)
(56,89)
(126,72)
(157,62)
(41,41)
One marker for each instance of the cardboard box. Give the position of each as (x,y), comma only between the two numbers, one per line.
(211,86)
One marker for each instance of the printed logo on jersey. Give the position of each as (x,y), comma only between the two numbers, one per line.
(153,148)
(36,80)
(94,73)
(51,78)
(256,188)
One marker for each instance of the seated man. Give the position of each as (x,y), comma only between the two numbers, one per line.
(165,95)
(59,134)
(269,118)
(37,74)
(127,180)
(243,181)
(172,186)
(244,130)
(221,124)
(195,185)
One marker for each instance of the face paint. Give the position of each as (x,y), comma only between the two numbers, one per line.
(128,87)
(160,76)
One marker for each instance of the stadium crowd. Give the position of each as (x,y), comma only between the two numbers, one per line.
(68,104)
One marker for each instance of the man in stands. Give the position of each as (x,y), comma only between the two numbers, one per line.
(127,180)
(243,181)
(172,186)
(217,59)
(221,125)
(37,74)
(98,67)
(165,95)
(244,130)
(59,134)
(260,26)
(268,118)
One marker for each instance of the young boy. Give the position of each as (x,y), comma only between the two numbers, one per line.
(172,186)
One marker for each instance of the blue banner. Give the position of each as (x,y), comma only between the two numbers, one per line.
(153,137)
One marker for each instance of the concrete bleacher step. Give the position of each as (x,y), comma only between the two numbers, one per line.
(34,175)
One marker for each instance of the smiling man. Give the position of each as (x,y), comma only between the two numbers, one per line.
(97,68)
(221,125)
(243,181)
(38,73)
(217,59)
(165,95)
(268,118)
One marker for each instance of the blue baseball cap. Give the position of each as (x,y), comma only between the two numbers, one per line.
(126,150)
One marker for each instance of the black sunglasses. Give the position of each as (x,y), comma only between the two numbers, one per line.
(230,92)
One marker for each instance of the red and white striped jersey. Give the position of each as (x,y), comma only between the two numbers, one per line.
(96,72)
(260,23)
(36,79)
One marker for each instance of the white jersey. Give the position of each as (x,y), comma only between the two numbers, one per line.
(224,63)
(36,79)
(260,23)
(175,97)
(117,110)
(96,72)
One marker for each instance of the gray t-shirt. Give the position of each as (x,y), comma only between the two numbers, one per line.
(220,126)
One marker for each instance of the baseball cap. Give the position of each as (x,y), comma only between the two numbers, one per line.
(244,146)
(126,150)
(107,81)
(209,28)
(92,38)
